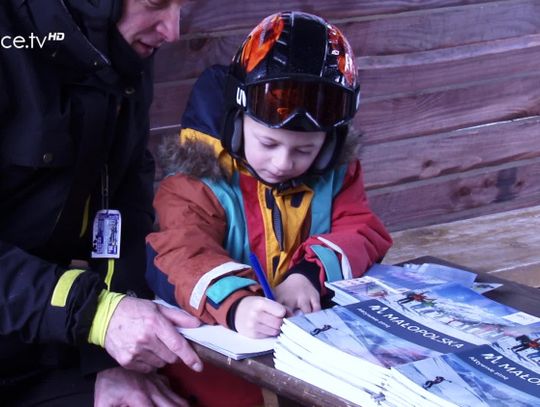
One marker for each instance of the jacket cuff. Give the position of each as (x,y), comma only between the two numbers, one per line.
(231,314)
(107,303)
(221,314)
(71,308)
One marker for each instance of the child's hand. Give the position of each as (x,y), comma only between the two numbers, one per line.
(298,294)
(259,317)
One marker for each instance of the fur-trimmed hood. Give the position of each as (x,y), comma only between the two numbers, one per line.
(197,158)
(191,157)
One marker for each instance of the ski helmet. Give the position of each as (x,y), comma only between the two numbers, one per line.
(294,71)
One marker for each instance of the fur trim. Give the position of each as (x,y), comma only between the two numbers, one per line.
(192,157)
(352,147)
(197,159)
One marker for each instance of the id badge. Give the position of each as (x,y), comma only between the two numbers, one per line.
(106,234)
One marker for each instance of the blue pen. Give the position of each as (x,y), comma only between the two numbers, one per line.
(261,276)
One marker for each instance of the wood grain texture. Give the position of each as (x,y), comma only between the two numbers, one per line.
(169,103)
(427,157)
(426,95)
(439,110)
(226,15)
(389,76)
(187,58)
(448,198)
(375,36)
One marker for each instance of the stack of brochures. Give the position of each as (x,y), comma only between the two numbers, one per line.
(371,352)
(506,373)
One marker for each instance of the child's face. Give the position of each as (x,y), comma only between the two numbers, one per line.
(278,155)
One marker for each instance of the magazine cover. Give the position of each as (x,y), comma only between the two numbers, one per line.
(506,373)
(455,307)
(382,280)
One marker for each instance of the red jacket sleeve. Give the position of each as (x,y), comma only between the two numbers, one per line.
(189,245)
(358,238)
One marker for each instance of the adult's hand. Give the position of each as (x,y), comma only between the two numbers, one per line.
(142,336)
(122,387)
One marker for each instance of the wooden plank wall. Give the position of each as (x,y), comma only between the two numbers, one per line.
(450,105)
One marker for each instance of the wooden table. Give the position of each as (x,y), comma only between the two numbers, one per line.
(283,390)
(504,244)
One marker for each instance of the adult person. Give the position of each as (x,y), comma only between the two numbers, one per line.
(75,179)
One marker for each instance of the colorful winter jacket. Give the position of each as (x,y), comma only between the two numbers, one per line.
(213,212)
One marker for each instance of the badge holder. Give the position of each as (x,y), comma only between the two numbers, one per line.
(107,228)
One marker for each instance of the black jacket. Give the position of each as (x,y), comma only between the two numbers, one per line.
(68,111)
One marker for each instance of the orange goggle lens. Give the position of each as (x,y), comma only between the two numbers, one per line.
(277,101)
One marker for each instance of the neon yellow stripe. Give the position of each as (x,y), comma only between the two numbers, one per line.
(86,215)
(61,290)
(107,303)
(110,273)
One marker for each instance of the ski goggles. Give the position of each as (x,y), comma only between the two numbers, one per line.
(278,101)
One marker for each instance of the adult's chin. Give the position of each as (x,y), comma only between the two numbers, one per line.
(143,50)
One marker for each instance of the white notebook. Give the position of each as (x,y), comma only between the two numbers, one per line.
(226,341)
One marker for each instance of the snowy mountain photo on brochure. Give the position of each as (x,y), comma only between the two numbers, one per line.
(452,306)
(382,280)
(507,373)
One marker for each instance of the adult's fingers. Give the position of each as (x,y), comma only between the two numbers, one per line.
(139,399)
(179,318)
(162,353)
(141,366)
(176,343)
(148,356)
(165,396)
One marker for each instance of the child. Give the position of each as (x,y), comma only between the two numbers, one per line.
(266,164)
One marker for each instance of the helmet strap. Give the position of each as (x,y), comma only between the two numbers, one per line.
(326,154)
(237,136)
(331,149)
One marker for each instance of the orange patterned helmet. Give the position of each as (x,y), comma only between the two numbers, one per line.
(294,71)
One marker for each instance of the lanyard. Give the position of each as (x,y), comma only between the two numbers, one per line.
(105,187)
